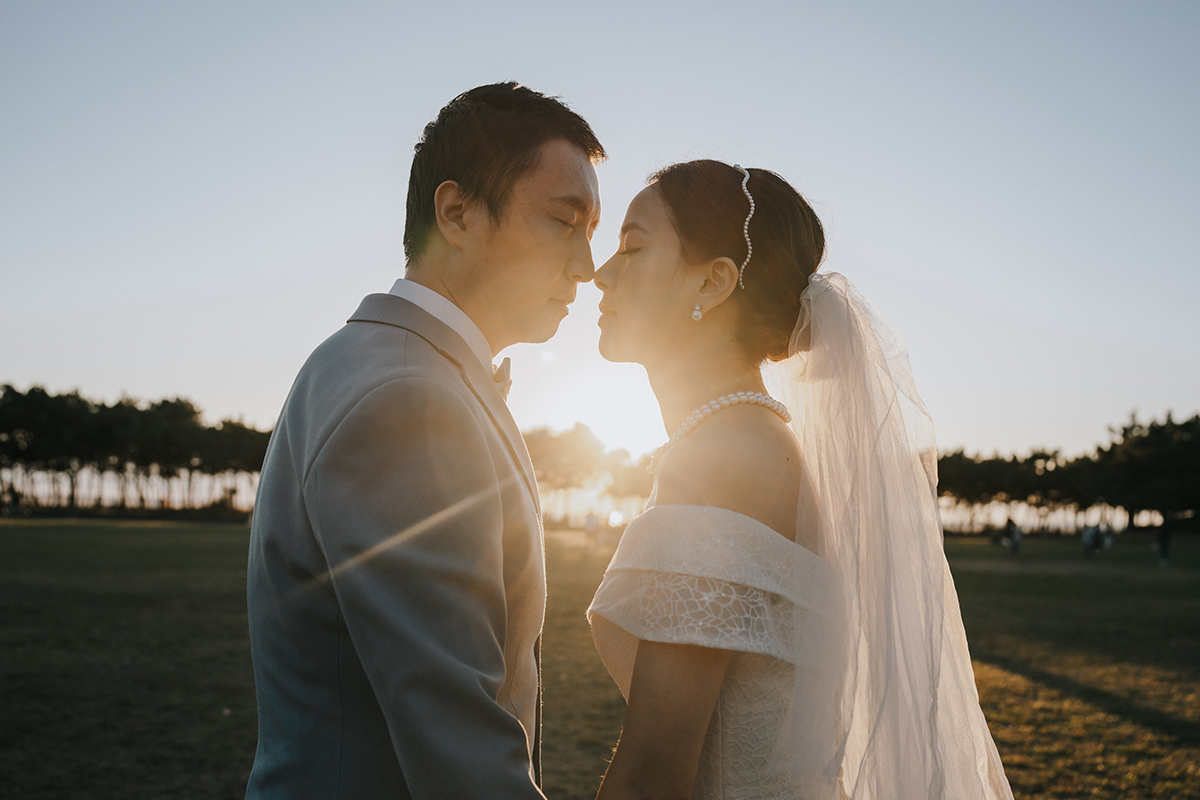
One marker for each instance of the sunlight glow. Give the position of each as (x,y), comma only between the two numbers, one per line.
(613,400)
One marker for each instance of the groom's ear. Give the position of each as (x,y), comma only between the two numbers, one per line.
(720,278)
(450,210)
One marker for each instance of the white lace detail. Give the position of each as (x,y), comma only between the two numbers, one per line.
(685,609)
(712,577)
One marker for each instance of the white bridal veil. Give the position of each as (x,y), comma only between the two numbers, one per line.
(895,679)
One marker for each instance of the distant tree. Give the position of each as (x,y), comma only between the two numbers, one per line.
(232,448)
(170,442)
(46,431)
(976,482)
(235,447)
(1146,466)
(143,446)
(564,460)
(629,478)
(1154,465)
(1040,482)
(14,444)
(118,437)
(1081,482)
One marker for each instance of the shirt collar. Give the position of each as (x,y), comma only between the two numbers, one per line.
(449,314)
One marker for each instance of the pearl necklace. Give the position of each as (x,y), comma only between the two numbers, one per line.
(708,409)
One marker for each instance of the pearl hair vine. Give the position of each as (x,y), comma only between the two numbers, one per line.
(746,224)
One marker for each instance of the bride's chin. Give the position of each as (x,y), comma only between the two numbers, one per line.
(608,349)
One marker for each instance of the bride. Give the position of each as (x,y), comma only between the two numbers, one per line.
(781,619)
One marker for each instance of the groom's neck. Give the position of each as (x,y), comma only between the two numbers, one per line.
(438,281)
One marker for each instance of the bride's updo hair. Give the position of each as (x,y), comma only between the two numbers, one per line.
(705,202)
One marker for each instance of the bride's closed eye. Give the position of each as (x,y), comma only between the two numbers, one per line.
(625,247)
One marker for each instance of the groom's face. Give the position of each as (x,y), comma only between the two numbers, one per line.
(532,261)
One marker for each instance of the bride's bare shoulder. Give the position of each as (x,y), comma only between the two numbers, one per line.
(743,460)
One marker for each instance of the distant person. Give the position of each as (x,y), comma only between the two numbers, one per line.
(591,525)
(780,619)
(1015,535)
(396,578)
(1164,542)
(1090,534)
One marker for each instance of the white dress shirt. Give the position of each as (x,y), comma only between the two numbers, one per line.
(457,320)
(449,314)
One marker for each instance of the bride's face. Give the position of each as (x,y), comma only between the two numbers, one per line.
(647,304)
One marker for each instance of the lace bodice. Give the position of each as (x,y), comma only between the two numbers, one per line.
(716,578)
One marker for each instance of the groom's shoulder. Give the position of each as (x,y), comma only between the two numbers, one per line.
(385,336)
(367,354)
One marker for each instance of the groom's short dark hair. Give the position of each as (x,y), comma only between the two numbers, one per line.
(485,140)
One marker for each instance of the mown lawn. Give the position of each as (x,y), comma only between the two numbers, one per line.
(125,668)
(1088,672)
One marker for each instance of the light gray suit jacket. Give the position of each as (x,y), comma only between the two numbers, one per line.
(396,578)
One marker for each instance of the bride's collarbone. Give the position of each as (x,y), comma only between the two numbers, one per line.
(743,465)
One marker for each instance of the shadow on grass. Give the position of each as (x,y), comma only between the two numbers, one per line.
(1182,731)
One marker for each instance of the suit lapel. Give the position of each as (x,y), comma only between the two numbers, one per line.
(391,310)
(484,388)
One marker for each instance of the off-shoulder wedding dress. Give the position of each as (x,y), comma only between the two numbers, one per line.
(711,577)
(850,675)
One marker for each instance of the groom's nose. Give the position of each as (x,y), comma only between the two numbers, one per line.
(582,268)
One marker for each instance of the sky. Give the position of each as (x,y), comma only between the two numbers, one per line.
(194,195)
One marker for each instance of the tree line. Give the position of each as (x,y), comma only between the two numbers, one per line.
(1146,466)
(67,451)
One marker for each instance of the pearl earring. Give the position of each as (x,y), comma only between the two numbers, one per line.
(697,314)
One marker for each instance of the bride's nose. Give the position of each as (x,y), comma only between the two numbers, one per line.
(603,279)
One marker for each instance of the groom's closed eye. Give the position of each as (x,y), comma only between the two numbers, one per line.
(579,210)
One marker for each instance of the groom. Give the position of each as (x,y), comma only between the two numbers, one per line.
(396,577)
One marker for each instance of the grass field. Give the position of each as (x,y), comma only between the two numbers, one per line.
(125,667)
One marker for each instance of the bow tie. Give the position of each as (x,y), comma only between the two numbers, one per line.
(503,378)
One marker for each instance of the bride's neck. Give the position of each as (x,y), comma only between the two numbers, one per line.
(684,383)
